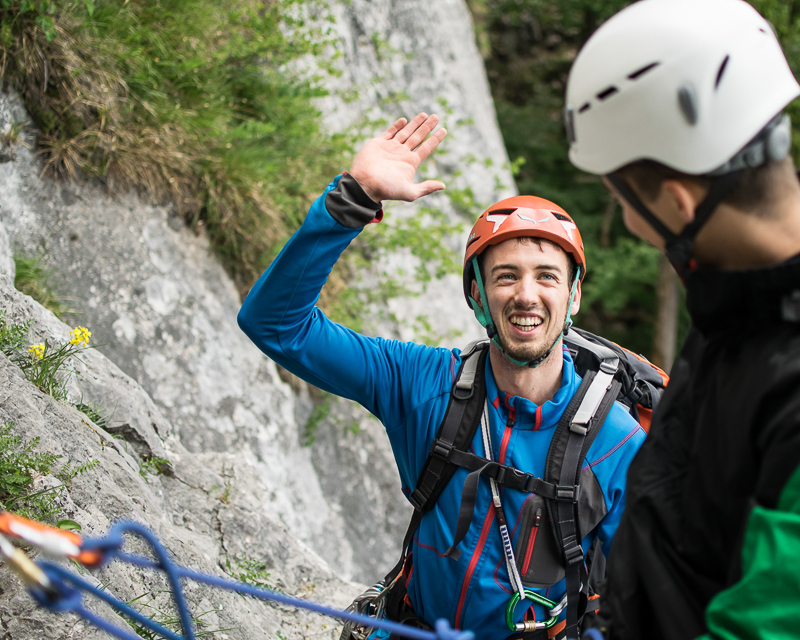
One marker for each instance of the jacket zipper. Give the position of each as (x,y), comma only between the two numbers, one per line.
(537,520)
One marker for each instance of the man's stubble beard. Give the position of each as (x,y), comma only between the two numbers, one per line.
(529,353)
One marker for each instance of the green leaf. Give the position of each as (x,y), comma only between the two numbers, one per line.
(89,7)
(68,525)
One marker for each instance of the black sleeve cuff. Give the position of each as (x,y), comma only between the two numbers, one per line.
(350,206)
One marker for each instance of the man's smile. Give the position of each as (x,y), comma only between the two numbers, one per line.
(525,324)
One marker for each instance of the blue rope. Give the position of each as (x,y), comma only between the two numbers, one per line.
(66,594)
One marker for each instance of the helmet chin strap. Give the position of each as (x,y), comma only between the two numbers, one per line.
(485,318)
(679,247)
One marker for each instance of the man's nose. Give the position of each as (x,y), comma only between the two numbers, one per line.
(527,292)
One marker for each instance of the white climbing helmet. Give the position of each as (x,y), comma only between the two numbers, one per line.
(687,83)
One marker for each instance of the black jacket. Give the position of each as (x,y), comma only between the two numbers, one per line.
(726,438)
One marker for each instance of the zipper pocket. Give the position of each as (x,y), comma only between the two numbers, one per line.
(537,520)
(538,555)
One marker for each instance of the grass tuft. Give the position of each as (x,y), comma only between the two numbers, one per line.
(33,278)
(188,101)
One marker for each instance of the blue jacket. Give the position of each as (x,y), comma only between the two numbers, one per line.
(407,386)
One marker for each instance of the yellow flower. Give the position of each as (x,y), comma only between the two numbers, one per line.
(80,335)
(37,351)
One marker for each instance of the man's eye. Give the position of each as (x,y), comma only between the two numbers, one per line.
(548,276)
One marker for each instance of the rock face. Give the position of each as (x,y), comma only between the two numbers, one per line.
(209,511)
(192,389)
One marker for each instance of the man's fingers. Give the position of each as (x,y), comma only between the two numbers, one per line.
(427,147)
(391,131)
(405,133)
(422,131)
(427,187)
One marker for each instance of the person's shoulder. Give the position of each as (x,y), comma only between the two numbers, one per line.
(620,425)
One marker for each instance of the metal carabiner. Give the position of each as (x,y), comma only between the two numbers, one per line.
(531,625)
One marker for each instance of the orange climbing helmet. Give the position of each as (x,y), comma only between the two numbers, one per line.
(522,216)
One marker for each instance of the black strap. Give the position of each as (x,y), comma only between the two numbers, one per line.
(464,408)
(509,477)
(680,248)
(469,496)
(579,440)
(626,192)
(458,428)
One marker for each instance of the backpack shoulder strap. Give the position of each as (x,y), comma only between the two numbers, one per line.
(574,435)
(457,430)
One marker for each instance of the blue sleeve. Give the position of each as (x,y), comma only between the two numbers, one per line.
(388,377)
(611,469)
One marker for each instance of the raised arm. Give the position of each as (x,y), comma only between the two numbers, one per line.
(280,315)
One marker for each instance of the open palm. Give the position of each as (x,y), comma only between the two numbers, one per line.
(385,166)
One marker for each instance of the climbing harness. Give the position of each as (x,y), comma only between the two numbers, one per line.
(61,590)
(610,374)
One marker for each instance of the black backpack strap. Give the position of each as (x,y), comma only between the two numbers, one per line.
(574,435)
(458,429)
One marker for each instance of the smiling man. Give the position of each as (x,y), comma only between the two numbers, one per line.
(523,268)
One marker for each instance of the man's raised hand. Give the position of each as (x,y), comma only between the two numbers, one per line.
(385,166)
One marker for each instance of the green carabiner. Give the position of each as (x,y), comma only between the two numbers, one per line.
(533,597)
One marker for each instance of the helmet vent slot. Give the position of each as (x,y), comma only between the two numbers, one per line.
(688,103)
(640,72)
(584,108)
(561,216)
(607,93)
(501,212)
(721,71)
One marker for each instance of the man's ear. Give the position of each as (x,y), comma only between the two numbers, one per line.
(681,197)
(475,293)
(576,303)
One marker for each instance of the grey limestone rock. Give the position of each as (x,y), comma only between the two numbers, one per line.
(208,511)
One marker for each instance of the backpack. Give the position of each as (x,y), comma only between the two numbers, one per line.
(610,373)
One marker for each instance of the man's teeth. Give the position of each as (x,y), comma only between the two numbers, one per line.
(526,323)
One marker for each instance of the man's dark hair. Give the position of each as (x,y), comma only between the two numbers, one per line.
(754,188)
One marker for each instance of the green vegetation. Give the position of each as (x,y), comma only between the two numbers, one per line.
(34,279)
(155,466)
(189,101)
(168,617)
(200,104)
(20,465)
(96,413)
(529,46)
(249,571)
(319,414)
(13,134)
(46,364)
(12,336)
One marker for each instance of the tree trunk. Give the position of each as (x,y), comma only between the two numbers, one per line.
(665,336)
